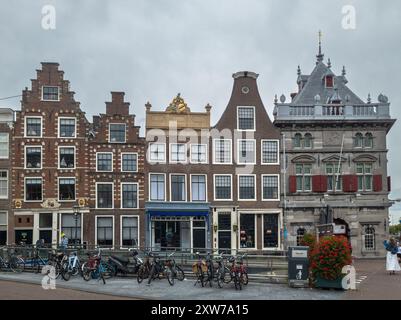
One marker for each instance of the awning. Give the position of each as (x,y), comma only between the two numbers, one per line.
(177,213)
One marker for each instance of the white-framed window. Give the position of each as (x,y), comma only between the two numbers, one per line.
(33,157)
(303,174)
(198,187)
(4,145)
(104,195)
(368,140)
(129,195)
(270,187)
(104,161)
(271,230)
(223,187)
(247,187)
(3,227)
(198,153)
(33,189)
(246,118)
(33,126)
(332,169)
(129,231)
(270,152)
(178,190)
(308,141)
(129,162)
(222,151)
(66,156)
(246,151)
(71,226)
(67,127)
(178,152)
(157,186)
(117,132)
(247,230)
(66,189)
(369,241)
(365,176)
(3,184)
(50,93)
(157,152)
(105,231)
(358,140)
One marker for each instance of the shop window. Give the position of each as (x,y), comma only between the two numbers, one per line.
(71,226)
(270,230)
(247,231)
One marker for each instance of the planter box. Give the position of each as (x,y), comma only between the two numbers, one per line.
(324,283)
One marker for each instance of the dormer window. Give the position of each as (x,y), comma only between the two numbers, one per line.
(329,81)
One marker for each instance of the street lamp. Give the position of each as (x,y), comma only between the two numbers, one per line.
(76,211)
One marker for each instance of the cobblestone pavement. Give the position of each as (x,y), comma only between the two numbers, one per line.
(160,289)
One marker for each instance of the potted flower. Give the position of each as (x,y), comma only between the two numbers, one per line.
(327,259)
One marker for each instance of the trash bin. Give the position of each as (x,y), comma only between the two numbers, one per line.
(298,266)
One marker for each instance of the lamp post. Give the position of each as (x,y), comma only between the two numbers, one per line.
(76,210)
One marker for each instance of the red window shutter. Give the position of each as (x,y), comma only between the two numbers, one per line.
(354,183)
(293,184)
(323,183)
(377,183)
(316,183)
(389,184)
(350,183)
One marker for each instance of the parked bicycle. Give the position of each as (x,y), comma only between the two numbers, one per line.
(13,262)
(144,268)
(160,269)
(238,272)
(70,266)
(96,268)
(200,269)
(177,272)
(55,260)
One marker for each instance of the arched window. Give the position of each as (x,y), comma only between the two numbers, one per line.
(368,140)
(297,140)
(369,241)
(300,236)
(308,140)
(329,81)
(358,140)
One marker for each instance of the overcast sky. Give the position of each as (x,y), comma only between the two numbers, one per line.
(154,49)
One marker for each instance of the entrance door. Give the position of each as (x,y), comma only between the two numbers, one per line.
(23,236)
(45,227)
(224,231)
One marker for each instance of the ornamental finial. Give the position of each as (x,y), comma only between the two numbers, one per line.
(299,70)
(320,55)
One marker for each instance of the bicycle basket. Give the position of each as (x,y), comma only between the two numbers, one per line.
(195,268)
(204,266)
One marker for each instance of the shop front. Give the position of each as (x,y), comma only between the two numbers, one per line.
(173,226)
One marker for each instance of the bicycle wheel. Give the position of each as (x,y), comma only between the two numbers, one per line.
(179,273)
(108,271)
(86,272)
(220,277)
(170,276)
(245,279)
(152,274)
(141,274)
(17,264)
(227,275)
(65,273)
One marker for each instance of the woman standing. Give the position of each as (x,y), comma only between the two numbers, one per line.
(392,264)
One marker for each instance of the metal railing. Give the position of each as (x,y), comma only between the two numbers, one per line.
(262,265)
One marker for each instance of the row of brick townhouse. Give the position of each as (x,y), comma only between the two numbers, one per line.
(245,183)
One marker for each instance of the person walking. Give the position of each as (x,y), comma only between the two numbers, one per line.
(392,264)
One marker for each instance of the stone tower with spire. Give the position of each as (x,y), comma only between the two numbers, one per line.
(335,159)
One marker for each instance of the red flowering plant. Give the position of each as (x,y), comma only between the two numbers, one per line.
(329,256)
